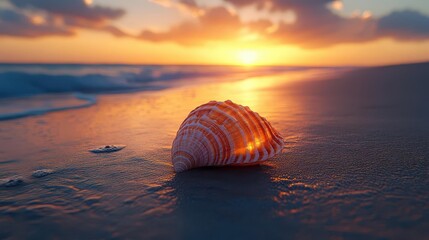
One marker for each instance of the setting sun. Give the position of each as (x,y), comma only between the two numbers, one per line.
(247,57)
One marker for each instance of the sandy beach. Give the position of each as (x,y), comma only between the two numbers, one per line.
(355,164)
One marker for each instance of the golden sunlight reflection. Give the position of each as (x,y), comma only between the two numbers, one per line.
(247,57)
(250,146)
(253,144)
(255,83)
(257,142)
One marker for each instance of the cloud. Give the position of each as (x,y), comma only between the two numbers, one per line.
(404,25)
(75,9)
(187,6)
(13,23)
(215,24)
(100,26)
(316,25)
(283,5)
(38,18)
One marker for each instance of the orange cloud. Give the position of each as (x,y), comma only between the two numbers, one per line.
(315,24)
(215,24)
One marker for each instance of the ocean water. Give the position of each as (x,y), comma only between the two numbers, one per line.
(355,165)
(60,87)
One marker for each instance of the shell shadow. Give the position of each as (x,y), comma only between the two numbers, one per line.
(226,203)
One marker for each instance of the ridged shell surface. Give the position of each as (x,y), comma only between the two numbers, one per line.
(224,133)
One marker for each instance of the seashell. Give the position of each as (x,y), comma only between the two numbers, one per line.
(224,133)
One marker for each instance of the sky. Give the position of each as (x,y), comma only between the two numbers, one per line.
(226,32)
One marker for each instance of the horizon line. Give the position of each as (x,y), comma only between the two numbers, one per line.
(206,65)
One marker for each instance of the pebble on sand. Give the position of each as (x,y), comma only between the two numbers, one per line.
(108,148)
(11,181)
(42,172)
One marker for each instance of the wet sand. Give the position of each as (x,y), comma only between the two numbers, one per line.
(355,167)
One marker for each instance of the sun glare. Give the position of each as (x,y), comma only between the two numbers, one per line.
(247,57)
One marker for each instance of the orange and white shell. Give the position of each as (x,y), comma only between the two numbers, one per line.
(224,133)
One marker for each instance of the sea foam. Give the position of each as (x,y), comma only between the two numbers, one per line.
(37,105)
